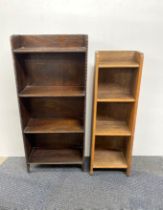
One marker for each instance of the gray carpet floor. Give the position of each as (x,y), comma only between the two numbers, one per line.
(56,188)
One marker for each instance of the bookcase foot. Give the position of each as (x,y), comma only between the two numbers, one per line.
(91,172)
(83,167)
(128,172)
(28,167)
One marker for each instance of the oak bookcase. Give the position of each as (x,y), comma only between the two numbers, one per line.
(51,86)
(116,91)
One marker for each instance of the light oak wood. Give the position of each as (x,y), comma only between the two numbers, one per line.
(112,128)
(118,58)
(109,159)
(140,58)
(114,93)
(121,64)
(94,113)
(116,90)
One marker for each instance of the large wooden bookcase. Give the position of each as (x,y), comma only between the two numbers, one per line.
(51,85)
(116,91)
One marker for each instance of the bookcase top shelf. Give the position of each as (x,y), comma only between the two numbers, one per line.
(117,59)
(49,50)
(49,43)
(118,64)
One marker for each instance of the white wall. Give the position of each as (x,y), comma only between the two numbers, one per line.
(110,24)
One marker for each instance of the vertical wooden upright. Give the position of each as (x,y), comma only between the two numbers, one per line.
(116,92)
(51,87)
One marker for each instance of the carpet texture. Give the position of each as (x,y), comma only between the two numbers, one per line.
(56,188)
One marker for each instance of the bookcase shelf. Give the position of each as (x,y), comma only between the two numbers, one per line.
(109,159)
(116,91)
(112,128)
(52,125)
(52,91)
(50,73)
(118,63)
(55,156)
(49,49)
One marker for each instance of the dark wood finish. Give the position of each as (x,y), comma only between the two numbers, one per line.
(57,107)
(116,91)
(49,49)
(52,125)
(55,148)
(59,156)
(51,85)
(60,41)
(52,91)
(56,140)
(50,69)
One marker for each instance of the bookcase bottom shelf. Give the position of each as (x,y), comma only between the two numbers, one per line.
(105,158)
(55,156)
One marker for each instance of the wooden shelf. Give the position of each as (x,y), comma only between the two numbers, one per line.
(51,85)
(105,158)
(49,49)
(118,64)
(55,156)
(116,90)
(52,91)
(111,128)
(113,93)
(53,126)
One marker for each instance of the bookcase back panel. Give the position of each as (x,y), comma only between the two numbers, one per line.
(53,69)
(115,56)
(113,142)
(49,41)
(114,111)
(56,141)
(124,78)
(54,107)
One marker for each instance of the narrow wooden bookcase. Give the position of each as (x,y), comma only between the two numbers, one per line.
(116,91)
(51,86)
